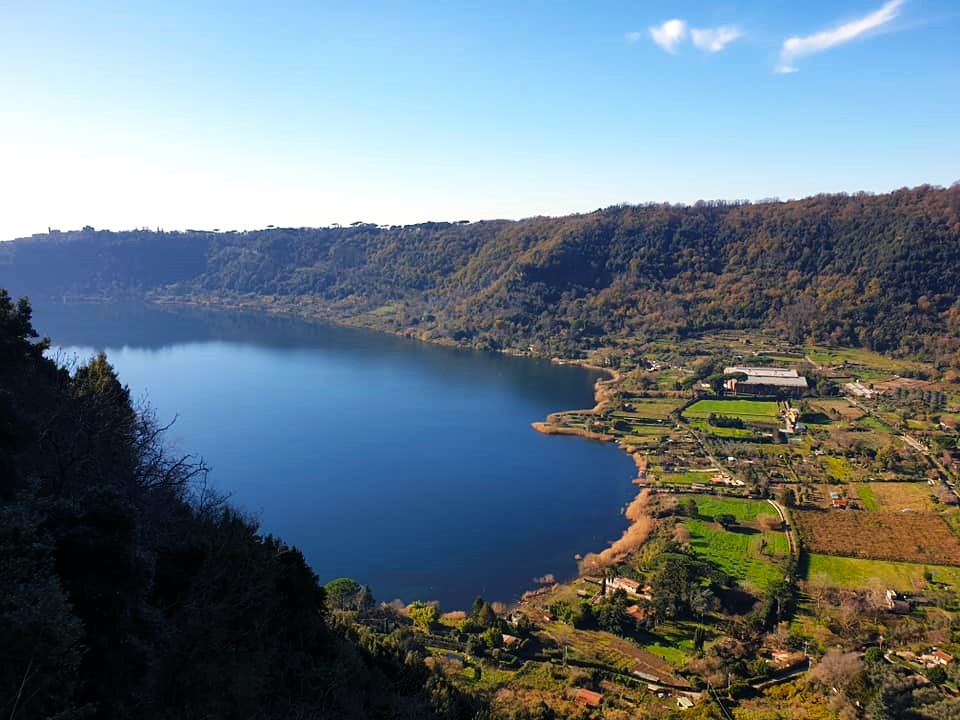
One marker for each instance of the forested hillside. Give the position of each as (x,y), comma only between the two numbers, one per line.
(128,590)
(877,271)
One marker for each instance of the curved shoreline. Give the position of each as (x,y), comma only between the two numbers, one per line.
(604,387)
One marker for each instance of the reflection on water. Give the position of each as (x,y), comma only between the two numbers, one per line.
(408,466)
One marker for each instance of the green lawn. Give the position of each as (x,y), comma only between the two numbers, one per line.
(750,410)
(742,510)
(736,552)
(855,573)
(674,656)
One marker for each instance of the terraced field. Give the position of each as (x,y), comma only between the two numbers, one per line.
(740,552)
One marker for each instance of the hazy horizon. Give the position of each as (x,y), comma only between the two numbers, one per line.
(243,116)
(756,201)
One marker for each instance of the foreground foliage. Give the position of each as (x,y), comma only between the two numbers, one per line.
(131,591)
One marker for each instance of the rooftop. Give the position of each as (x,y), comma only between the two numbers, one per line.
(588,698)
(781,377)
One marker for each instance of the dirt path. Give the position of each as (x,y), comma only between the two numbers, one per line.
(788,531)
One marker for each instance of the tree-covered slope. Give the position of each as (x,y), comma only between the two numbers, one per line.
(881,271)
(128,590)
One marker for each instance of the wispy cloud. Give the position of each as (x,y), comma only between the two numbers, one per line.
(715,39)
(670,34)
(633,37)
(798,47)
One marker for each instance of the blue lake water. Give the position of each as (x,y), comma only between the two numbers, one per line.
(410,467)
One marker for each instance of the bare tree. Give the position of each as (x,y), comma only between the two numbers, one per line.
(836,670)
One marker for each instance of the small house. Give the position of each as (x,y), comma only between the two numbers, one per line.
(896,604)
(942,658)
(588,698)
(629,586)
(684,703)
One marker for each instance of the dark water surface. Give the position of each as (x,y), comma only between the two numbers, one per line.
(409,467)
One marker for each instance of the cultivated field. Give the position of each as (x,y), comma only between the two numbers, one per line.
(687,477)
(868,360)
(743,553)
(856,574)
(742,510)
(897,496)
(748,410)
(843,408)
(909,537)
(649,408)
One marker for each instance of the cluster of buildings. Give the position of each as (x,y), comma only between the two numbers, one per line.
(931,658)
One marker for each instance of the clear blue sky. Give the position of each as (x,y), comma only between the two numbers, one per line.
(238,115)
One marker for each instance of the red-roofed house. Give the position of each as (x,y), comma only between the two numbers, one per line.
(588,698)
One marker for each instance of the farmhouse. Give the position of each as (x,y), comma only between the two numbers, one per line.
(629,586)
(939,657)
(765,380)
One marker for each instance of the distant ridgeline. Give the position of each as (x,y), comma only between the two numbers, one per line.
(881,271)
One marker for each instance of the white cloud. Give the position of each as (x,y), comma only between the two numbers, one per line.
(633,37)
(797,47)
(670,34)
(715,39)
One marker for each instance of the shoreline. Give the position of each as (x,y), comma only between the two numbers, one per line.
(603,386)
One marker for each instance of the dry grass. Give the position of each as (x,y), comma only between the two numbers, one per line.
(842,407)
(898,496)
(641,525)
(909,537)
(547,429)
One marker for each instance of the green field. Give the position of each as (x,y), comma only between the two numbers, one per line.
(838,468)
(742,510)
(859,356)
(740,433)
(750,410)
(867,498)
(650,408)
(687,478)
(738,553)
(855,573)
(776,544)
(873,423)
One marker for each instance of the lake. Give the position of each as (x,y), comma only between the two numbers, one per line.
(412,468)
